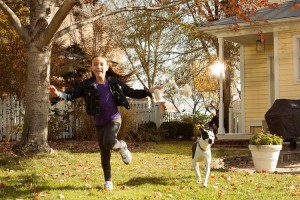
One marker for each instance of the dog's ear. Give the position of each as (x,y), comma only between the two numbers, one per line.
(204,134)
(201,132)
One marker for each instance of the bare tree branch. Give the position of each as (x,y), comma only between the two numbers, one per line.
(15,22)
(121,10)
(57,20)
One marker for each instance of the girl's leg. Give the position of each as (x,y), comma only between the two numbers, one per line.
(107,140)
(110,140)
(110,135)
(104,153)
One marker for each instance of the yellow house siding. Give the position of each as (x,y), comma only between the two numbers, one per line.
(288,88)
(255,85)
(256,89)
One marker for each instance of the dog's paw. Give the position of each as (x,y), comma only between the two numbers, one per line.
(205,184)
(199,181)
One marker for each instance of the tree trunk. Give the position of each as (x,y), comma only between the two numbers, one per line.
(35,131)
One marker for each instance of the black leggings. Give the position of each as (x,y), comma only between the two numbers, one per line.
(107,140)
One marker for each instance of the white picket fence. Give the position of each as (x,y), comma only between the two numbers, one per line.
(11,116)
(146,111)
(12,112)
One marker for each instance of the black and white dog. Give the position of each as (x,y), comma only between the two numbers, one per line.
(202,152)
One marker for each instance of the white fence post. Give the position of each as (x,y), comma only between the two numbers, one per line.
(230,120)
(235,118)
(11,117)
(157,114)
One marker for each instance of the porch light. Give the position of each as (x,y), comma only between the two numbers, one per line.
(260,46)
(217,69)
(260,43)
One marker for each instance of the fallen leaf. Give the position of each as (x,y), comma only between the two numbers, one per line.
(158,194)
(220,193)
(292,187)
(2,185)
(42,194)
(297,194)
(214,186)
(124,187)
(264,171)
(36,196)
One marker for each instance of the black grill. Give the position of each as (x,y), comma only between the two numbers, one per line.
(283,119)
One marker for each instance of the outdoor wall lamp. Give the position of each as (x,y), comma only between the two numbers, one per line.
(260,46)
(260,43)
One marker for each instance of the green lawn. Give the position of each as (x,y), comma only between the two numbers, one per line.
(158,171)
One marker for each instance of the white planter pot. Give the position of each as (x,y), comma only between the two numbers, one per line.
(265,157)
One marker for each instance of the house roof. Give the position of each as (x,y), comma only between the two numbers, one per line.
(285,11)
(283,18)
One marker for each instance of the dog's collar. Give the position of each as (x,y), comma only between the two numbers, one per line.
(200,147)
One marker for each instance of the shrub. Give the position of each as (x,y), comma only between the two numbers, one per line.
(185,130)
(262,138)
(176,130)
(83,124)
(127,124)
(147,132)
(170,129)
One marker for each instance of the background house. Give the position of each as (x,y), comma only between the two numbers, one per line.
(270,54)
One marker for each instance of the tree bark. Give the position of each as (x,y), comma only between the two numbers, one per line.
(35,131)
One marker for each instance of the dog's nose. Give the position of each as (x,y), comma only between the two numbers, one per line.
(210,141)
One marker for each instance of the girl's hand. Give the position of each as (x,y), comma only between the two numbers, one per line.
(159,87)
(53,92)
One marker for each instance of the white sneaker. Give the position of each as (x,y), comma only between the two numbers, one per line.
(108,185)
(125,153)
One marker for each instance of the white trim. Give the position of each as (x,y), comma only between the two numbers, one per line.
(221,103)
(246,28)
(270,82)
(242,77)
(276,66)
(296,55)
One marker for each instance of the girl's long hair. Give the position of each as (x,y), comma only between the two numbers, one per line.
(116,71)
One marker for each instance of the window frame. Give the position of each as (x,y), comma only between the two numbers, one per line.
(296,57)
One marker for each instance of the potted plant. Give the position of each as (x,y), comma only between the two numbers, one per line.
(265,149)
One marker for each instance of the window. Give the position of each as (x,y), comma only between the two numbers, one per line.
(296,44)
(298,59)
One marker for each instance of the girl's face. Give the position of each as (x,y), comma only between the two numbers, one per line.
(99,67)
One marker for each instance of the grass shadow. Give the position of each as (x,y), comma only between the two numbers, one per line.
(31,185)
(149,180)
(146,180)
